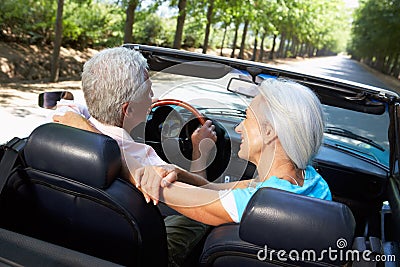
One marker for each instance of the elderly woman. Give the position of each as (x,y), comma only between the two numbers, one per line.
(282,132)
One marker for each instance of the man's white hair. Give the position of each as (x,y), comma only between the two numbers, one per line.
(110,78)
(296,114)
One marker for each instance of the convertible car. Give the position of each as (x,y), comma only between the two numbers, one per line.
(63,201)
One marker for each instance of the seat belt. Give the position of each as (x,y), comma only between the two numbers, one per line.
(11,152)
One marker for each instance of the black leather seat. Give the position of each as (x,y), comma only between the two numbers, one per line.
(68,193)
(275,221)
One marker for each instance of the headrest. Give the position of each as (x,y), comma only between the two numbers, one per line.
(91,158)
(286,221)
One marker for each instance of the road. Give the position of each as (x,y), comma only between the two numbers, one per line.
(343,67)
(19,113)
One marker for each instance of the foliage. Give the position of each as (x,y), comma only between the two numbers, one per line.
(321,24)
(376,35)
(92,24)
(85,23)
(149,31)
(27,19)
(299,27)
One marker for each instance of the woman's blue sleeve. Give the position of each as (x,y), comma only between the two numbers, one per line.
(242,197)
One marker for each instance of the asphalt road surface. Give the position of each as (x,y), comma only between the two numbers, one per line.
(344,68)
(19,110)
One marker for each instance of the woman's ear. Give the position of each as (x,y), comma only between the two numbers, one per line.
(269,134)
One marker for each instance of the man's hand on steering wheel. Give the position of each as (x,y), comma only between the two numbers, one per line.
(207,131)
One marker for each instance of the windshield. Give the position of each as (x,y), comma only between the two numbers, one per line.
(202,93)
(356,132)
(365,134)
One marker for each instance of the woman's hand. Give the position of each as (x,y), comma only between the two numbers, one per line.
(150,179)
(74,120)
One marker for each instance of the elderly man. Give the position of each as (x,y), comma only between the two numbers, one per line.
(118,93)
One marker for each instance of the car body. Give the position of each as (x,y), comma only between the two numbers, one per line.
(359,157)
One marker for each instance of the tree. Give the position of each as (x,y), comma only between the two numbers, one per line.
(223,38)
(210,11)
(237,24)
(180,24)
(243,43)
(376,38)
(149,30)
(254,55)
(29,21)
(236,10)
(293,27)
(262,51)
(55,66)
(265,22)
(130,20)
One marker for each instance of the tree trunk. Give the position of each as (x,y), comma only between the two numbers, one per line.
(310,51)
(179,25)
(130,19)
(235,40)
(261,56)
(253,57)
(301,48)
(55,64)
(210,10)
(243,43)
(380,60)
(223,39)
(297,50)
(287,48)
(368,61)
(281,45)
(293,48)
(307,48)
(272,52)
(388,63)
(395,66)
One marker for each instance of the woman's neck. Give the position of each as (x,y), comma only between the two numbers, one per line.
(281,167)
(272,160)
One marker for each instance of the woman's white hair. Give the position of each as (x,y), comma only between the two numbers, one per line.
(110,78)
(296,114)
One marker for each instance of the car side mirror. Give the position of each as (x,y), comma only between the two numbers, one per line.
(49,99)
(243,87)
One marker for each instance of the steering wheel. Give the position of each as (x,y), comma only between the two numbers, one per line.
(180,103)
(171,132)
(174,145)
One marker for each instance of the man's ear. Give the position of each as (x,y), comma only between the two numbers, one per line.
(126,109)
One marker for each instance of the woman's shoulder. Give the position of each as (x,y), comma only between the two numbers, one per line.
(314,185)
(311,171)
(312,176)
(317,186)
